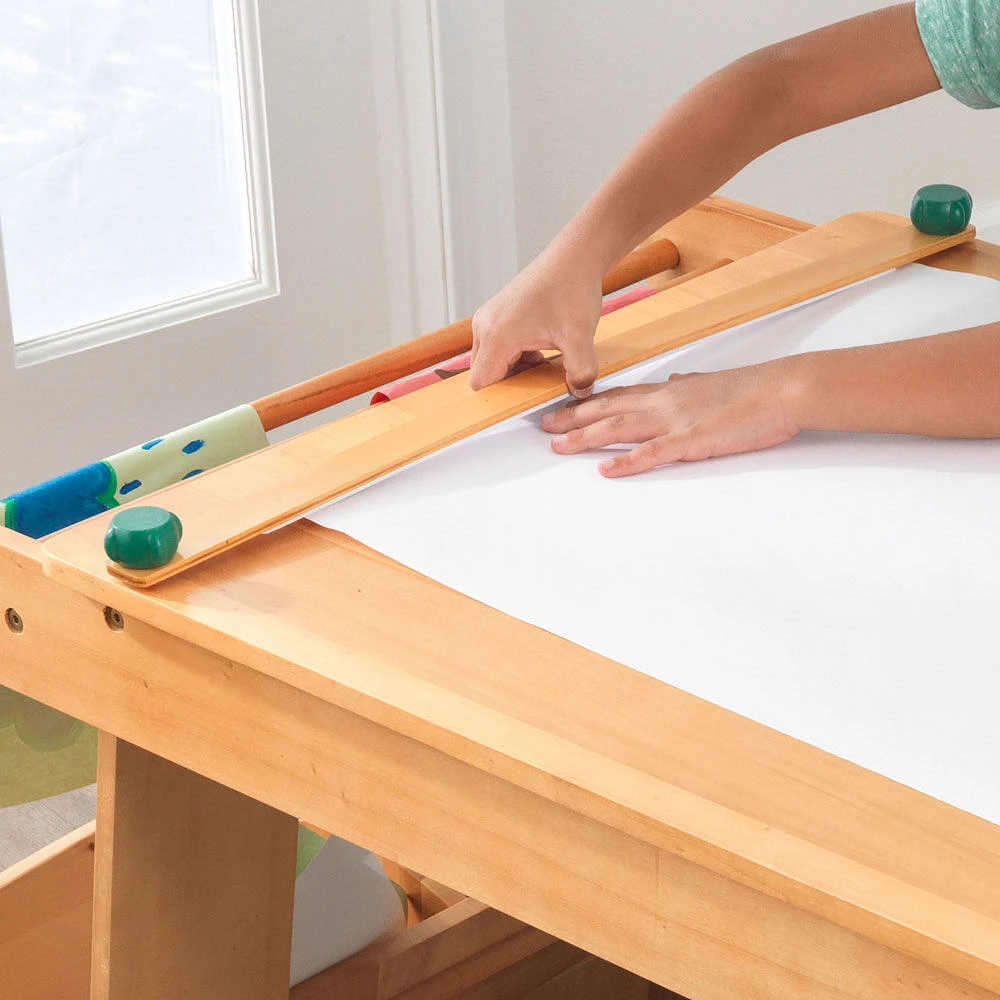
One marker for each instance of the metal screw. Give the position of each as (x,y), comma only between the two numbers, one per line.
(14,621)
(114,619)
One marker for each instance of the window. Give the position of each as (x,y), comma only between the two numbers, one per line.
(133,168)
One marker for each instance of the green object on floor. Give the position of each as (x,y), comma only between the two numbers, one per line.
(44,728)
(310,844)
(44,752)
(32,772)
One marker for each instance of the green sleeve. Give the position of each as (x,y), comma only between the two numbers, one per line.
(962,38)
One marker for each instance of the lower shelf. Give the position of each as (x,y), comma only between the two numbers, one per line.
(454,948)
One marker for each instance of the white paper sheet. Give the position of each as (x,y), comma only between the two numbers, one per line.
(840,588)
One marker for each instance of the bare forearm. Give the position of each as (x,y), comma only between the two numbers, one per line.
(705,138)
(731,118)
(942,386)
(826,76)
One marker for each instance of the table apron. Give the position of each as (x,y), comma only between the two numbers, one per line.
(629,901)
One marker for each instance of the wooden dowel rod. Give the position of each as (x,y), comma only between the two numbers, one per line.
(430,349)
(660,255)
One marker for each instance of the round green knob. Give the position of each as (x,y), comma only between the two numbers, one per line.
(143,537)
(941,209)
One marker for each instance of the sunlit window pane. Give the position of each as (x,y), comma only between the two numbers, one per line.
(122,166)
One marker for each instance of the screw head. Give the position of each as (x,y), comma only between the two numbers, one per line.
(114,619)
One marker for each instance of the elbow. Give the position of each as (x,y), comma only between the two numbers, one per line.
(775,91)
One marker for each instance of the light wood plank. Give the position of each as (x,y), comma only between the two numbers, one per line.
(721,227)
(498,977)
(45,913)
(396,362)
(193,885)
(591,979)
(435,897)
(711,826)
(541,816)
(467,932)
(450,951)
(226,506)
(507,969)
(45,934)
(562,782)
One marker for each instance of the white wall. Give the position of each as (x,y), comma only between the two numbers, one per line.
(587,77)
(325,158)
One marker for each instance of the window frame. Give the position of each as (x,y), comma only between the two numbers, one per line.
(263,282)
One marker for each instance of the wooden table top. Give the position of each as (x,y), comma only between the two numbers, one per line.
(320,677)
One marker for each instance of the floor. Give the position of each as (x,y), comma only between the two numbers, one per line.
(25,829)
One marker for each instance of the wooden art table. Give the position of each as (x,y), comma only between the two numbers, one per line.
(303,676)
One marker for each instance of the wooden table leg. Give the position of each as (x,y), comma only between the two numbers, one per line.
(193,885)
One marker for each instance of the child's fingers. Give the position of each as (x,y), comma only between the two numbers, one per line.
(648,455)
(604,404)
(580,363)
(622,428)
(490,363)
(529,359)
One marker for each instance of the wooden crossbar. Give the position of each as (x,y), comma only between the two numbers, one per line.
(397,362)
(236,502)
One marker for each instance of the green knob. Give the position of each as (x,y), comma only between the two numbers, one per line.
(143,537)
(941,209)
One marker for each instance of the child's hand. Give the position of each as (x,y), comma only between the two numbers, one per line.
(543,308)
(686,418)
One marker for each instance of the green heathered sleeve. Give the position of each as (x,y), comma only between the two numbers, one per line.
(962,39)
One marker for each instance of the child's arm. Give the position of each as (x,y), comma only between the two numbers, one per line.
(827,76)
(942,386)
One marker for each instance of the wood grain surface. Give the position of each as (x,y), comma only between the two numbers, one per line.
(396,362)
(723,858)
(224,507)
